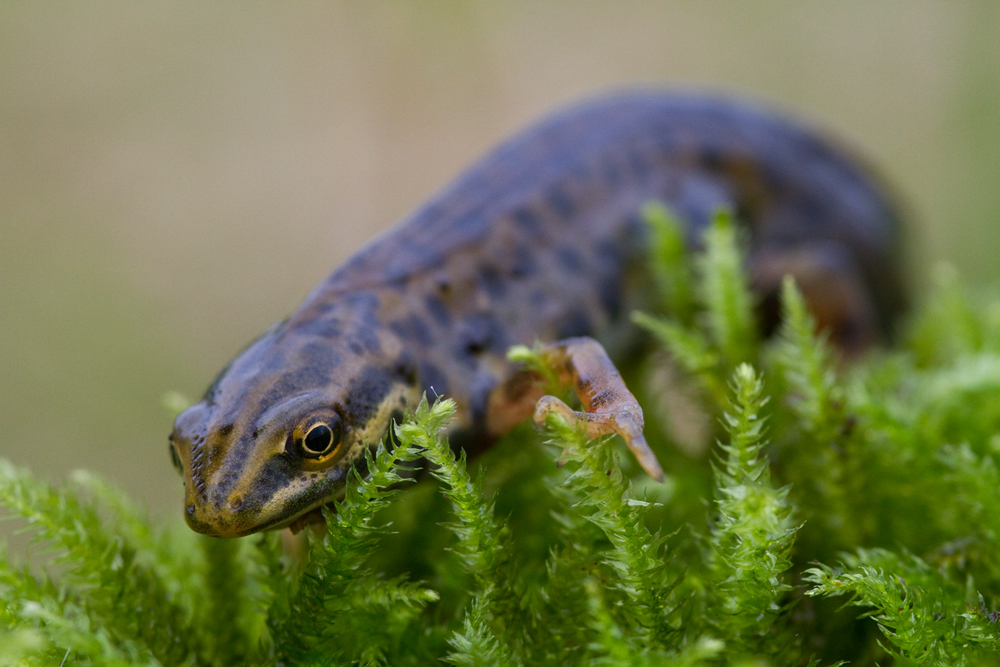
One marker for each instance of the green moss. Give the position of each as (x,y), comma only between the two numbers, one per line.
(846,513)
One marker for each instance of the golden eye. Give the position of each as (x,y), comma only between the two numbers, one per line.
(321,439)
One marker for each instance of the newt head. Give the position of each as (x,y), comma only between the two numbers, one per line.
(277,433)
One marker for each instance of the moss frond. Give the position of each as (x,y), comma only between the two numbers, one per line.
(532,359)
(41,624)
(725,293)
(722,305)
(336,565)
(927,618)
(224,614)
(637,557)
(805,361)
(615,649)
(480,541)
(669,262)
(114,589)
(491,622)
(476,645)
(690,348)
(950,324)
(804,366)
(753,533)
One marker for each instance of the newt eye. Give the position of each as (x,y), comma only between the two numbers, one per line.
(321,439)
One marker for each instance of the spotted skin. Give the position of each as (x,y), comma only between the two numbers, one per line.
(541,240)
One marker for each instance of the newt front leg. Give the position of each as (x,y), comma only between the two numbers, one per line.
(608,406)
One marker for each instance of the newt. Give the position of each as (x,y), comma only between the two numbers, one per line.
(542,240)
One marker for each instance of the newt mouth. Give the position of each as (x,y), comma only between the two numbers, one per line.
(234,527)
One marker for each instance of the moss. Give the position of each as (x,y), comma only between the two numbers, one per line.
(846,513)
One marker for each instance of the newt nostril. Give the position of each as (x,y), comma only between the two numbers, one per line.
(235,503)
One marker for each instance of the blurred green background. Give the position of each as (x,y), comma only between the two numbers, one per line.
(174,177)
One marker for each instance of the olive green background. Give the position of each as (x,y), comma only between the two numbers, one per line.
(174,177)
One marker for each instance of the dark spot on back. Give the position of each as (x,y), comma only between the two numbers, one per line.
(560,202)
(320,358)
(323,327)
(406,368)
(368,337)
(523,262)
(312,367)
(492,282)
(398,284)
(570,259)
(413,328)
(639,164)
(438,309)
(226,430)
(538,298)
(634,226)
(526,219)
(611,174)
(321,308)
(481,332)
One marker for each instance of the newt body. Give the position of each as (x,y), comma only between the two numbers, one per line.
(541,240)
